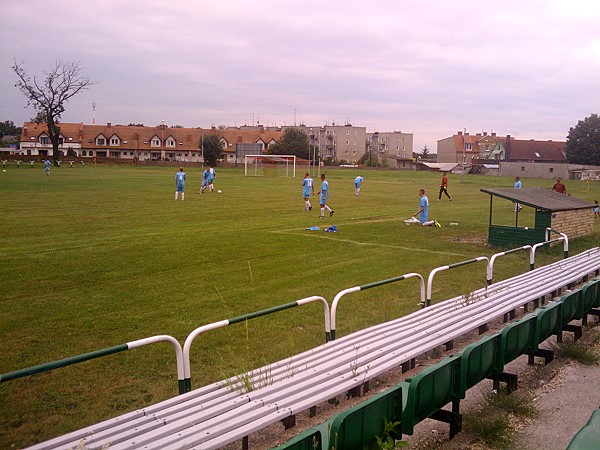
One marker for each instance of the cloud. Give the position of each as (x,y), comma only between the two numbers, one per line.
(429,67)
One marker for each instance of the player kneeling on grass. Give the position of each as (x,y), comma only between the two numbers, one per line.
(180,183)
(358,181)
(308,187)
(423,213)
(323,197)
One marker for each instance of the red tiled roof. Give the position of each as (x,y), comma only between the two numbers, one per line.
(522,150)
(140,137)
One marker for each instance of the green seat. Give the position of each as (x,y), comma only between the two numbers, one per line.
(588,438)
(429,391)
(479,361)
(358,426)
(310,439)
(518,338)
(589,293)
(571,306)
(548,321)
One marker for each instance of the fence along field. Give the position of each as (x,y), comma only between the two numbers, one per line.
(96,257)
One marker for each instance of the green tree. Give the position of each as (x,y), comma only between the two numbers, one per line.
(63,81)
(583,141)
(293,142)
(425,152)
(212,148)
(8,128)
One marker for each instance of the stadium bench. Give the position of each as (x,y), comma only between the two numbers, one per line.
(221,413)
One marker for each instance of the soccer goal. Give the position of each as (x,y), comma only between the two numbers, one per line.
(270,165)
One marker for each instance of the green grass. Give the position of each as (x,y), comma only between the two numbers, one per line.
(96,257)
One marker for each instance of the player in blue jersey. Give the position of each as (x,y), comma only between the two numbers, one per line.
(423,212)
(323,197)
(180,183)
(207,179)
(48,165)
(357,183)
(308,188)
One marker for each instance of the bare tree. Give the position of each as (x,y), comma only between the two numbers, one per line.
(64,80)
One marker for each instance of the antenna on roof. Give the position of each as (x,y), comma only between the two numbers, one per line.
(93,113)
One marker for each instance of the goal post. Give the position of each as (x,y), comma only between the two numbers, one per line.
(284,165)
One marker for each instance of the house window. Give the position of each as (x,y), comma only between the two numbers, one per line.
(91,153)
(170,143)
(551,169)
(468,146)
(100,141)
(114,141)
(347,142)
(155,142)
(115,154)
(83,153)
(45,140)
(522,168)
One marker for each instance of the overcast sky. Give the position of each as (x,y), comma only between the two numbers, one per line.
(530,68)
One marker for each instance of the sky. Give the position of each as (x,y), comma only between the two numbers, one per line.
(528,68)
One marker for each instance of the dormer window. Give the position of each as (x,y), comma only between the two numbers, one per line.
(155,142)
(100,140)
(44,140)
(171,142)
(223,143)
(114,140)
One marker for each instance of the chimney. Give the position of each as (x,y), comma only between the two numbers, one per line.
(466,134)
(478,134)
(460,133)
(493,134)
(109,125)
(485,133)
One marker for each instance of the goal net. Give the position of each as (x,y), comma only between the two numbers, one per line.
(270,165)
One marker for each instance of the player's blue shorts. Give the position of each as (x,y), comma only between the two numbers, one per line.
(307,194)
(322,201)
(357,184)
(180,187)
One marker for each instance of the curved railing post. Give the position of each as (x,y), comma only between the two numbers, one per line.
(451,266)
(563,238)
(99,353)
(363,287)
(223,323)
(490,267)
(565,243)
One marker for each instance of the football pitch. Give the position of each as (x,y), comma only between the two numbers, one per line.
(99,256)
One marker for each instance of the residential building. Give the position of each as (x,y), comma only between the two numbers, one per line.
(139,142)
(391,148)
(464,148)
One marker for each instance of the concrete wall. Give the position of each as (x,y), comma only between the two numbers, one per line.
(446,151)
(576,223)
(538,169)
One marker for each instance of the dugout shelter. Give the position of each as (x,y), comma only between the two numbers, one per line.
(563,213)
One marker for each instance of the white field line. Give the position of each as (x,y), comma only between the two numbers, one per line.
(371,244)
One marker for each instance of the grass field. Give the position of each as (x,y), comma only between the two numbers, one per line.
(96,257)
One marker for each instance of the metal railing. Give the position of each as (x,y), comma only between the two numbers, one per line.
(99,353)
(341,294)
(451,266)
(223,323)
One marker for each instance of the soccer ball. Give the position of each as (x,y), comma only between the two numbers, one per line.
(219,191)
(4,170)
